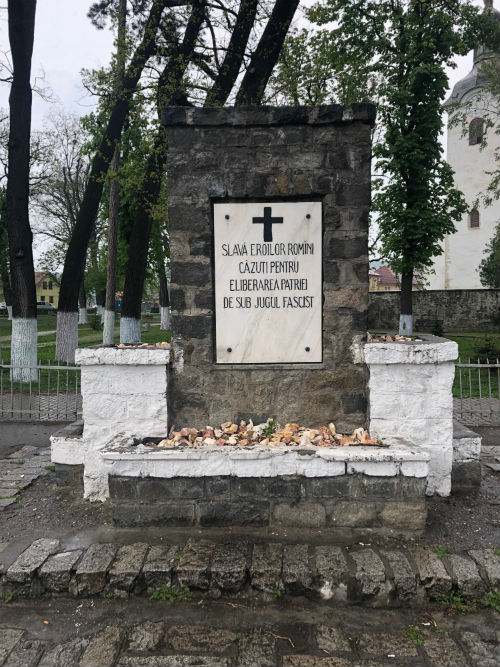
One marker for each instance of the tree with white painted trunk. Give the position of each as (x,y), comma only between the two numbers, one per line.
(21,24)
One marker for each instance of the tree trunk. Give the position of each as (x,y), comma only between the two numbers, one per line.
(164,298)
(82,302)
(21,19)
(168,87)
(267,53)
(406,304)
(231,64)
(114,190)
(7,290)
(74,264)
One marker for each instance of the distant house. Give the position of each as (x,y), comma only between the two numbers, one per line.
(384,280)
(47,288)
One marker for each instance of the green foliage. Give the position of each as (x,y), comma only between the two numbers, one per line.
(50,468)
(165,592)
(489,268)
(440,551)
(414,634)
(270,428)
(437,328)
(496,551)
(487,348)
(10,597)
(277,593)
(454,602)
(405,46)
(492,599)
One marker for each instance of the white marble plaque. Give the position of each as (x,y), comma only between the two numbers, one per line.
(268,282)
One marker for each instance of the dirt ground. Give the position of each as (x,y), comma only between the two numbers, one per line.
(46,509)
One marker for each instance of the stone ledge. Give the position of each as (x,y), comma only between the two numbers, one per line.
(328,114)
(98,356)
(432,350)
(362,576)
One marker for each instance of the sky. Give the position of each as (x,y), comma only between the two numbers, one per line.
(66,42)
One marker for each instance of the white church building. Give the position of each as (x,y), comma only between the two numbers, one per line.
(457,267)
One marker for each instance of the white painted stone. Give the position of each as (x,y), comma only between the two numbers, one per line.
(23,350)
(374,469)
(466,449)
(164,317)
(244,255)
(68,451)
(411,353)
(98,356)
(414,468)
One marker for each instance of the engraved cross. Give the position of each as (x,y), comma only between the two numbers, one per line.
(268,222)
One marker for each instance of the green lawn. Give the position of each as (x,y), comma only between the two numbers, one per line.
(474,348)
(45,323)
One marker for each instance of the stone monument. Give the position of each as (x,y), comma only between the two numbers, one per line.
(268,221)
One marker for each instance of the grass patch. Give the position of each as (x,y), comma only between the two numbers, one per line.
(496,551)
(440,551)
(492,599)
(476,347)
(10,597)
(454,602)
(170,594)
(50,468)
(414,634)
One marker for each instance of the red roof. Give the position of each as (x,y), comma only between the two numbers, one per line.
(41,275)
(386,276)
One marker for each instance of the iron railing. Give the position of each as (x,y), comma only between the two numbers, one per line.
(52,392)
(476,392)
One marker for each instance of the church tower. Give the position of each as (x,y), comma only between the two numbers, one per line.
(457,267)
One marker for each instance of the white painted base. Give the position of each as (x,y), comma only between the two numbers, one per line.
(9,312)
(66,336)
(68,451)
(164,317)
(130,330)
(108,333)
(406,325)
(123,458)
(23,349)
(82,316)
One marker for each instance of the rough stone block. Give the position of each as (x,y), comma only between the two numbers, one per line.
(24,567)
(8,639)
(301,515)
(90,577)
(466,477)
(64,654)
(432,573)
(229,513)
(159,565)
(405,515)
(489,562)
(370,577)
(257,649)
(26,653)
(229,566)
(265,569)
(193,569)
(146,637)
(197,638)
(383,644)
(55,573)
(103,648)
(127,566)
(332,573)
(297,572)
(332,640)
(405,580)
(466,577)
(354,514)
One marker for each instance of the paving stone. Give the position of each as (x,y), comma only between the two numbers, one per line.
(332,570)
(193,566)
(370,576)
(490,563)
(25,452)
(172,661)
(159,565)
(483,654)
(56,572)
(8,639)
(103,648)
(257,649)
(297,574)
(265,569)
(405,581)
(5,502)
(332,640)
(300,660)
(63,655)
(443,651)
(126,567)
(7,492)
(24,567)
(432,572)
(91,572)
(197,638)
(25,654)
(383,644)
(229,566)
(146,637)
(466,577)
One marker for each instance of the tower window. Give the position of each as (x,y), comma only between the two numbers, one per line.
(474,219)
(476,131)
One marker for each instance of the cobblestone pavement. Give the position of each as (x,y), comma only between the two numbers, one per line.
(19,470)
(215,633)
(477,411)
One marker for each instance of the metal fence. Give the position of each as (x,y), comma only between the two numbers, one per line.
(45,392)
(476,392)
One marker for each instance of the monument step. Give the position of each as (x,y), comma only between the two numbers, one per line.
(202,568)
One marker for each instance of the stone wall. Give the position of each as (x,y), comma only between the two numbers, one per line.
(268,154)
(456,310)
